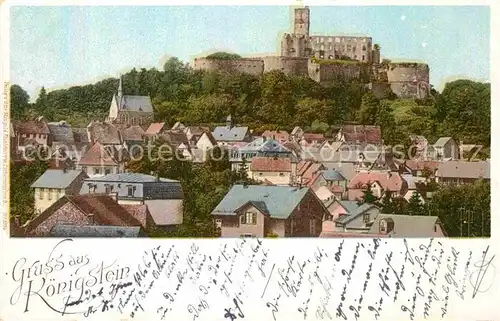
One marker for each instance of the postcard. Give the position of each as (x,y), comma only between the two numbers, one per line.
(258,161)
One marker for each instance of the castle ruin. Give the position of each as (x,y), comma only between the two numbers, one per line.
(328,59)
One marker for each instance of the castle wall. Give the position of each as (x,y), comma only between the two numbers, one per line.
(409,80)
(338,71)
(333,47)
(294,45)
(288,65)
(254,66)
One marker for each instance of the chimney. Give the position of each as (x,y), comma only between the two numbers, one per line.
(389,174)
(91,217)
(64,169)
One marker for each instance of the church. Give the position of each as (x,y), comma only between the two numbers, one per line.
(130,110)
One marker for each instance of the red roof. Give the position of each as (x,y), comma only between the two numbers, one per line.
(155,128)
(138,211)
(279,135)
(392,182)
(98,155)
(310,137)
(362,134)
(270,164)
(418,165)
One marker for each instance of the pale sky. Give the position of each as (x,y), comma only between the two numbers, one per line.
(57,47)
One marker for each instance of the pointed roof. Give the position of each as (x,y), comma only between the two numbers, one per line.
(99,155)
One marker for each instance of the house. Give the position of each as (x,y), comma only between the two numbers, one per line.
(70,213)
(130,110)
(105,134)
(277,170)
(163,197)
(178,126)
(193,133)
(66,144)
(260,147)
(311,140)
(381,182)
(155,129)
(385,162)
(258,211)
(54,184)
(329,183)
(205,141)
(178,141)
(281,136)
(420,167)
(102,160)
(229,134)
(133,135)
(338,208)
(415,185)
(306,170)
(446,149)
(31,133)
(360,135)
(407,226)
(357,221)
(297,133)
(462,172)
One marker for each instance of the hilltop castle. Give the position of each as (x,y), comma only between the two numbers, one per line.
(327,59)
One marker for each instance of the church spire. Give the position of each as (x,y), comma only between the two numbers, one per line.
(120,93)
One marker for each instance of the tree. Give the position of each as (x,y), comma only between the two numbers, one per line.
(367,115)
(19,101)
(368,196)
(386,204)
(415,206)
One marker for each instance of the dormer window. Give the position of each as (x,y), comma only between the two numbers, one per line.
(366,218)
(131,190)
(383,226)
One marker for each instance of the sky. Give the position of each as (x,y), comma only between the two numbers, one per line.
(61,46)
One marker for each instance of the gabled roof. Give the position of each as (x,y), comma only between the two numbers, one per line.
(197,130)
(295,130)
(392,182)
(276,134)
(103,210)
(175,138)
(104,133)
(418,165)
(408,225)
(310,137)
(363,134)
(30,127)
(57,178)
(332,175)
(463,169)
(80,135)
(356,213)
(100,155)
(133,133)
(139,211)
(280,201)
(226,133)
(94,231)
(271,164)
(210,137)
(178,126)
(442,141)
(349,206)
(155,128)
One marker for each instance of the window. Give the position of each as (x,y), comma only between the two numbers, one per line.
(84,169)
(312,227)
(293,225)
(383,226)
(260,174)
(107,171)
(109,188)
(366,218)
(58,193)
(248,218)
(282,174)
(363,58)
(49,195)
(218,223)
(97,170)
(40,193)
(131,191)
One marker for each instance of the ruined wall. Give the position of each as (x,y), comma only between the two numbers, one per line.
(254,66)
(294,45)
(409,80)
(334,47)
(323,73)
(288,65)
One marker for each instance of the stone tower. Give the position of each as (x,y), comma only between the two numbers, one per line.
(301,21)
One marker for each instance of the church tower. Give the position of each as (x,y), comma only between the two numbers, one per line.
(301,21)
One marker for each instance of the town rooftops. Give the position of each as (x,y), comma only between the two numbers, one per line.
(61,132)
(332,175)
(57,178)
(271,164)
(344,219)
(463,169)
(277,201)
(389,181)
(155,128)
(133,133)
(363,134)
(94,231)
(104,133)
(132,178)
(31,126)
(101,155)
(408,225)
(419,165)
(229,133)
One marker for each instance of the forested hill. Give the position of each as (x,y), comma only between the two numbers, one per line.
(273,100)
